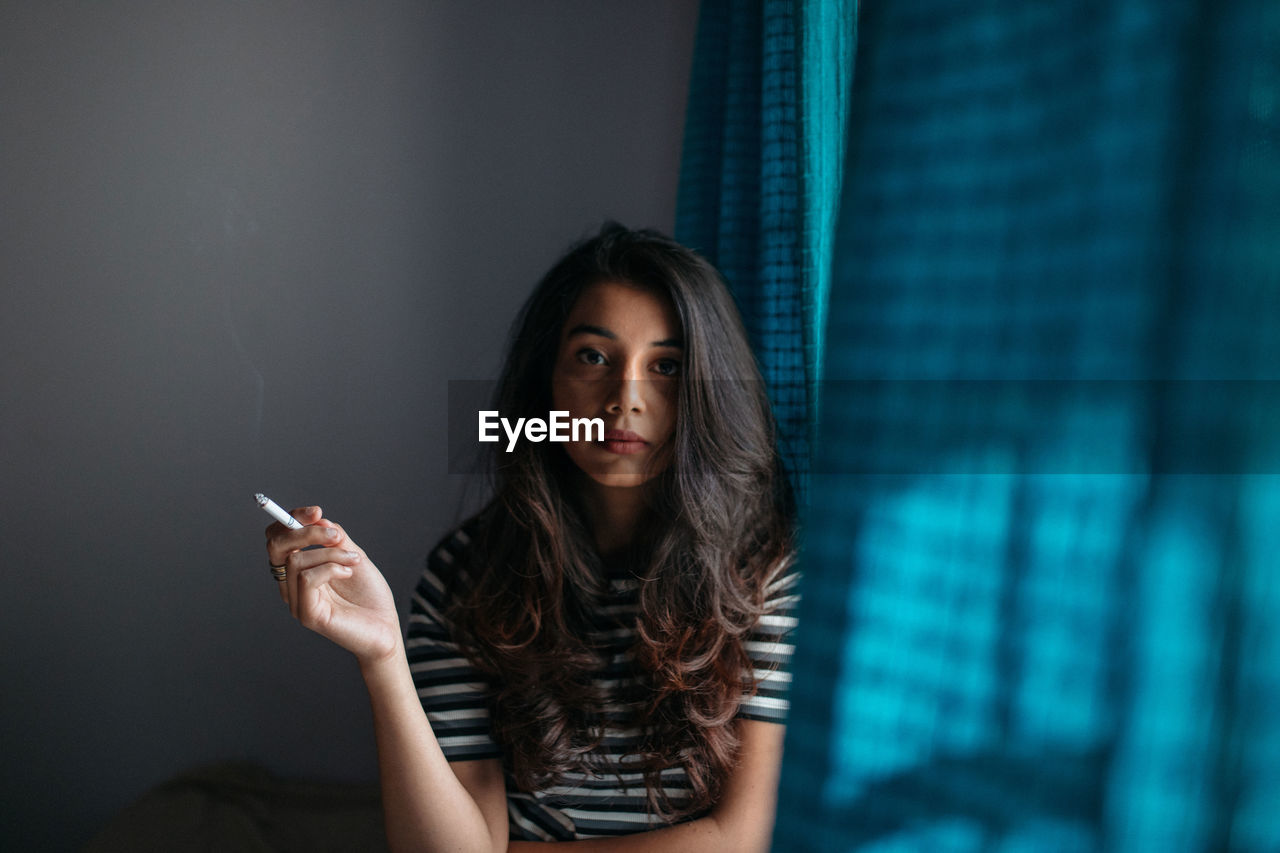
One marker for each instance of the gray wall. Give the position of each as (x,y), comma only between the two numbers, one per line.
(243,248)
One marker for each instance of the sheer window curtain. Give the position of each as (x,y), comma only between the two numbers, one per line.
(1041,593)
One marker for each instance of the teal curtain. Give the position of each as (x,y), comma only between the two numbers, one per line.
(1041,600)
(760,179)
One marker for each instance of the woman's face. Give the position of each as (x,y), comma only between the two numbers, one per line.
(620,359)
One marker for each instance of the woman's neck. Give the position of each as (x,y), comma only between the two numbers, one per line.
(614,514)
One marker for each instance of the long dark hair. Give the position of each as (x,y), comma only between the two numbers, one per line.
(719,529)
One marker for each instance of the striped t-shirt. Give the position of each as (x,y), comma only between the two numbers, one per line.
(585,805)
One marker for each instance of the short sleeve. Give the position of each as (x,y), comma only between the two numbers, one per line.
(452,691)
(771,645)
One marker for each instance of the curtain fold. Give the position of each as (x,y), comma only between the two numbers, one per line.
(760,178)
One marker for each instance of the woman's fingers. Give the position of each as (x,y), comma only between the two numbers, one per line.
(281,540)
(343,541)
(283,543)
(307,608)
(302,564)
(303,515)
(318,542)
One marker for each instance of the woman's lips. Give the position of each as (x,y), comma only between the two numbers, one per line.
(623,442)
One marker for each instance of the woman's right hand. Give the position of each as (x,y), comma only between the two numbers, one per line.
(334,588)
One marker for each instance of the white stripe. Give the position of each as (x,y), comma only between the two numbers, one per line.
(435,582)
(769,648)
(784,582)
(780,676)
(787,602)
(460,714)
(545,810)
(612,682)
(432,615)
(604,793)
(613,817)
(450,690)
(523,822)
(443,556)
(454,741)
(428,642)
(584,776)
(766,703)
(432,665)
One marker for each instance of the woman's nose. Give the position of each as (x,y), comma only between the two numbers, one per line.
(628,392)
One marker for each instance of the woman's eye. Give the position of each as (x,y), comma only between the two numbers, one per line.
(591,356)
(668,367)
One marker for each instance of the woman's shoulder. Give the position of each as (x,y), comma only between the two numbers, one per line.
(456,544)
(451,556)
(447,568)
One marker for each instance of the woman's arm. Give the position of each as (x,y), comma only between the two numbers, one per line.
(741,822)
(428,803)
(335,590)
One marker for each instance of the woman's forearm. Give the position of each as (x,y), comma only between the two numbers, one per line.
(425,806)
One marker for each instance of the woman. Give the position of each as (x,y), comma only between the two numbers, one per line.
(597,654)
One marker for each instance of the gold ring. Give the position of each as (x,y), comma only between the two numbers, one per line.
(278,572)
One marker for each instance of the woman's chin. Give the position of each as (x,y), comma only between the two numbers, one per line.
(619,480)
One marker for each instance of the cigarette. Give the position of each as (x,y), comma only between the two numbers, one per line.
(276,512)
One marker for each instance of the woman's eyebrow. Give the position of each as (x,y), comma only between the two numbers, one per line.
(588,329)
